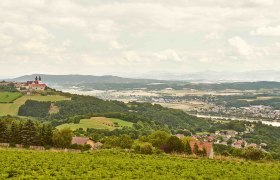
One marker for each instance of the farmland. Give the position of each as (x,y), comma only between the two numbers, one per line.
(113,164)
(12,108)
(97,123)
(8,97)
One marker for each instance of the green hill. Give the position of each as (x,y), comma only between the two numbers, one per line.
(98,123)
(8,97)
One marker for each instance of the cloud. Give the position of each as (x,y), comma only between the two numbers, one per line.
(116,45)
(168,55)
(117,35)
(213,36)
(241,46)
(266,31)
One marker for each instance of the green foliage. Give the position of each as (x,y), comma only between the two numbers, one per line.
(143,147)
(9,97)
(187,146)
(158,138)
(62,138)
(253,154)
(15,130)
(124,141)
(34,109)
(173,144)
(8,88)
(122,165)
(30,134)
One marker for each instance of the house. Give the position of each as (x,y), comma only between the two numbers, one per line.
(37,87)
(201,146)
(180,136)
(239,144)
(84,140)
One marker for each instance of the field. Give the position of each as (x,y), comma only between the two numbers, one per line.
(8,97)
(113,164)
(97,123)
(12,108)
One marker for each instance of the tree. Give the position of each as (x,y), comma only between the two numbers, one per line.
(187,146)
(158,138)
(15,133)
(195,149)
(146,148)
(62,138)
(46,135)
(29,134)
(173,144)
(253,153)
(3,132)
(125,141)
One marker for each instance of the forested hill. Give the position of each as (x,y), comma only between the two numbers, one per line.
(87,106)
(80,79)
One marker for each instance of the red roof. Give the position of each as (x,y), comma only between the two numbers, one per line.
(201,145)
(38,85)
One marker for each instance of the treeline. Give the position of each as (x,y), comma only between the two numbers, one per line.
(35,109)
(156,142)
(80,106)
(8,88)
(266,134)
(32,133)
(236,85)
(238,126)
(26,132)
(273,102)
(137,130)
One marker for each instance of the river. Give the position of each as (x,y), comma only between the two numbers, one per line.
(272,123)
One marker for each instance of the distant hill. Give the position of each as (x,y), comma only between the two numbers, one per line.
(83,79)
(88,82)
(213,76)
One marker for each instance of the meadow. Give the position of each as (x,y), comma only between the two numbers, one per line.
(12,108)
(8,97)
(114,164)
(97,123)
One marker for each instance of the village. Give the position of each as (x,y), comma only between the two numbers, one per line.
(27,87)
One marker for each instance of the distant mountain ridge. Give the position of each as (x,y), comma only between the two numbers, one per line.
(214,76)
(80,79)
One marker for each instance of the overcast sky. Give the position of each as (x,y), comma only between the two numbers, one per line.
(128,36)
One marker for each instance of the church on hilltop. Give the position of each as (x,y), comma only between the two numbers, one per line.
(36,85)
(31,86)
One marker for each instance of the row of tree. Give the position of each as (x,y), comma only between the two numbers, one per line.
(30,133)
(158,141)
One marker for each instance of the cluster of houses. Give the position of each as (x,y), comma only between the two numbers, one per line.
(27,87)
(31,86)
(225,137)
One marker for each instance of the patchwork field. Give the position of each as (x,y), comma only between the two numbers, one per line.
(12,108)
(97,123)
(113,164)
(261,98)
(7,97)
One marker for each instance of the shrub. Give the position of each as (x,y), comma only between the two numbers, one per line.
(173,144)
(146,148)
(253,154)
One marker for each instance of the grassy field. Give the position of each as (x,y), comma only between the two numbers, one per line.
(261,98)
(97,123)
(114,164)
(12,108)
(7,97)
